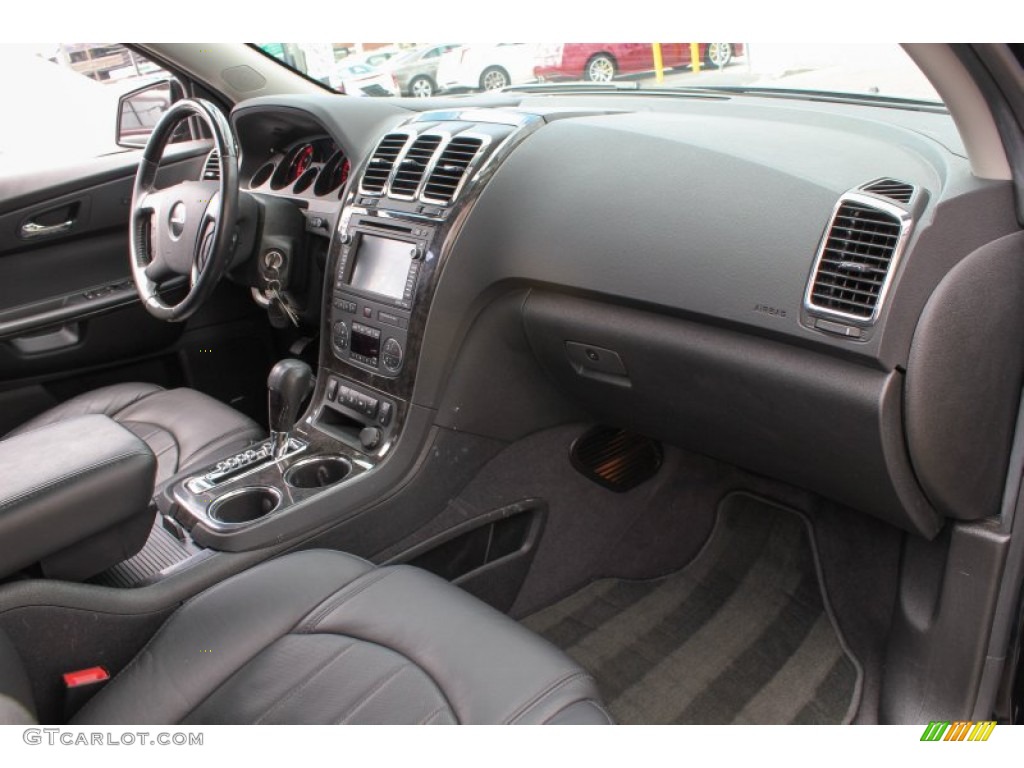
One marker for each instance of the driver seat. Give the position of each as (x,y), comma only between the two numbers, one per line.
(184,428)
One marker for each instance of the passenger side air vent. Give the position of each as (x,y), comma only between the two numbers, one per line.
(899,191)
(211,169)
(856,258)
(381,162)
(413,166)
(448,174)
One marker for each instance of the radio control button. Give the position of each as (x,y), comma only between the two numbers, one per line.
(340,335)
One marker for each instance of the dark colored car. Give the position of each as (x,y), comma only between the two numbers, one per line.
(602,62)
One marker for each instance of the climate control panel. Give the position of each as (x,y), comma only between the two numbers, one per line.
(369,335)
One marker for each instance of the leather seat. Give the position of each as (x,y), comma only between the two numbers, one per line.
(324,637)
(185,428)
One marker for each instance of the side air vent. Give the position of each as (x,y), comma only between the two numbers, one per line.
(382,161)
(211,169)
(856,258)
(413,166)
(899,191)
(447,176)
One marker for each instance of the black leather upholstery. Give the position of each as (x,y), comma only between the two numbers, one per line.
(186,429)
(65,483)
(324,637)
(16,705)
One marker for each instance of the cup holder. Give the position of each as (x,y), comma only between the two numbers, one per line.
(318,472)
(245,505)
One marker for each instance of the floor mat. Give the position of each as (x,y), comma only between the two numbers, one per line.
(741,635)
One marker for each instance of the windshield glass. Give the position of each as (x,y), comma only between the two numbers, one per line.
(426,69)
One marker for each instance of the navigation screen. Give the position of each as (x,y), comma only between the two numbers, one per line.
(381,266)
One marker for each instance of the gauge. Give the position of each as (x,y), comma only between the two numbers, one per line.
(334,174)
(301,162)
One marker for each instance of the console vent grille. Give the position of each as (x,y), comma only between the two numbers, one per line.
(211,169)
(413,166)
(899,191)
(855,261)
(447,175)
(382,161)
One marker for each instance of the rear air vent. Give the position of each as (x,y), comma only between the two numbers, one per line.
(855,261)
(448,174)
(413,166)
(211,169)
(382,161)
(899,191)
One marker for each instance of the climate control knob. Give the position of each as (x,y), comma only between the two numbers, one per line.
(391,354)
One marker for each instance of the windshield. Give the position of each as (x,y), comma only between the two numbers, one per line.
(413,70)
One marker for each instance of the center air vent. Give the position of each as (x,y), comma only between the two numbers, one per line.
(856,259)
(899,191)
(211,169)
(382,161)
(413,166)
(447,176)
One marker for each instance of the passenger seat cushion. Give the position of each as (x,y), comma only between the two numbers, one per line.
(324,637)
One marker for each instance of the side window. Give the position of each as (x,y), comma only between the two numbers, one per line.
(75,91)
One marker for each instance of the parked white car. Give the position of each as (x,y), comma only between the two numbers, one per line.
(363,80)
(487,67)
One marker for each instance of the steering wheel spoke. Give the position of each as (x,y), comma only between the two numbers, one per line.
(187,229)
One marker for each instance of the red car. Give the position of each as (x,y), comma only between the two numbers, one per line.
(601,62)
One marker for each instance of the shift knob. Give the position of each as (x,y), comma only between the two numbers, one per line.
(289,383)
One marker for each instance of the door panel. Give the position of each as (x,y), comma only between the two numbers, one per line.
(67,302)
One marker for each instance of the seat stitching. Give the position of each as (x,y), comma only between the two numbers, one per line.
(71,477)
(536,700)
(296,689)
(440,710)
(372,692)
(596,705)
(335,601)
(138,400)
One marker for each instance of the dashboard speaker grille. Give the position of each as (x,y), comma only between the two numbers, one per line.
(378,170)
(413,166)
(899,191)
(853,269)
(451,167)
(211,169)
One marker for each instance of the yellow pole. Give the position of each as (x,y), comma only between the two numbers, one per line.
(695,57)
(659,64)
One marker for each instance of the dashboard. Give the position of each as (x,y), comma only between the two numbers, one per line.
(790,286)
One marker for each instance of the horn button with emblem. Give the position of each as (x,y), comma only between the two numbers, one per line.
(178,234)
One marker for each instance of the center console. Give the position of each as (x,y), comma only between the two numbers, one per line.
(400,215)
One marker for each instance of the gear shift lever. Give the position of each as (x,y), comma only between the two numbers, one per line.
(289,383)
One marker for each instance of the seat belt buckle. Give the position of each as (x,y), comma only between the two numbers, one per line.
(80,686)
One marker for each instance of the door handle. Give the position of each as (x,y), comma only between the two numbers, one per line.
(32,229)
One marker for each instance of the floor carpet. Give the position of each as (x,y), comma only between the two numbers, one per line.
(741,635)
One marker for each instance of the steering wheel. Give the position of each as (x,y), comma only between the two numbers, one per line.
(188,229)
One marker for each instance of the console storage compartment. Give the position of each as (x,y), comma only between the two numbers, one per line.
(74,497)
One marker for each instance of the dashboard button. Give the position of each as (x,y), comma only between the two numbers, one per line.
(392,354)
(332,389)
